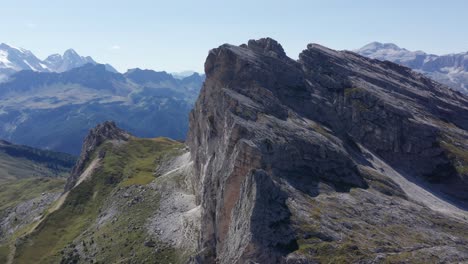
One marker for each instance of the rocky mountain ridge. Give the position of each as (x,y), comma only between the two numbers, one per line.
(278,143)
(106,131)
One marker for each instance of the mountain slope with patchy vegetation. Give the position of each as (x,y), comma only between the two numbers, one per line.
(109,214)
(30,181)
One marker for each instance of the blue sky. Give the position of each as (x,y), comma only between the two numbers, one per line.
(176,35)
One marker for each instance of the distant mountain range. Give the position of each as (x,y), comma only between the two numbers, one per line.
(13,59)
(329,158)
(182,74)
(55,110)
(450,69)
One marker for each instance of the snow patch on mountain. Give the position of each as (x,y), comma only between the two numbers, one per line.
(4,62)
(450,69)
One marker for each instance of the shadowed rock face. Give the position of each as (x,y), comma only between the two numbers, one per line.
(96,136)
(270,137)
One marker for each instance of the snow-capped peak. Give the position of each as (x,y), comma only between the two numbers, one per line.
(389,51)
(14,59)
(9,46)
(450,69)
(378,46)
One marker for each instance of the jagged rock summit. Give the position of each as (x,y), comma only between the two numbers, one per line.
(107,131)
(334,157)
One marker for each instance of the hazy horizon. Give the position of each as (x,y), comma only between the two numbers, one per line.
(177,36)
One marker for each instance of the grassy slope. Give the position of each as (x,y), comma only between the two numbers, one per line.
(14,192)
(125,165)
(20,162)
(26,173)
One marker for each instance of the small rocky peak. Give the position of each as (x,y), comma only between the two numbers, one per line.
(267,46)
(227,61)
(101,133)
(105,131)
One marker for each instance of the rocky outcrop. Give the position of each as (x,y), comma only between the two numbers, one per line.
(106,131)
(275,141)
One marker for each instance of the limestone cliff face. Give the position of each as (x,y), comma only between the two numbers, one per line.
(96,136)
(270,137)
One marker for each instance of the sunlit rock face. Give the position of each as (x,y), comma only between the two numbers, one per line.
(293,159)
